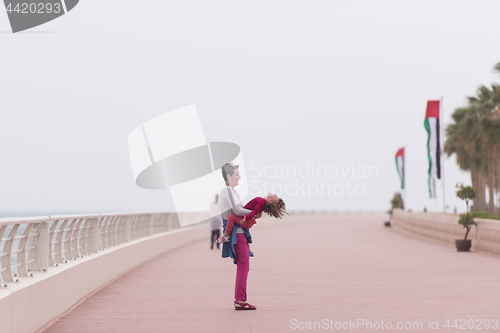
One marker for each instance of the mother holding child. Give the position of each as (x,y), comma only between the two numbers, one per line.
(236,222)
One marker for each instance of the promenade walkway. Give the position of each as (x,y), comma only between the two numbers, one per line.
(306,269)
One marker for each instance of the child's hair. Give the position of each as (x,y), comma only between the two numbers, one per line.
(275,208)
(228,169)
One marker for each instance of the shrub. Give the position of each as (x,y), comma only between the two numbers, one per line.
(479,215)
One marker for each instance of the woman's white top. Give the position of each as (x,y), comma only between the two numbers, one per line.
(230,203)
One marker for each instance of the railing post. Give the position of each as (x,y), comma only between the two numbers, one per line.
(151,224)
(95,235)
(7,259)
(43,247)
(128,227)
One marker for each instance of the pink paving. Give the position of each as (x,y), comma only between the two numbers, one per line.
(349,269)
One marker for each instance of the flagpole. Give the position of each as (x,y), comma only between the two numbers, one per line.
(441,111)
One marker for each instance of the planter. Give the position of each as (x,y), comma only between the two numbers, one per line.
(463,244)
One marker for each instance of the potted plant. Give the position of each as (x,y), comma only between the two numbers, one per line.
(465,193)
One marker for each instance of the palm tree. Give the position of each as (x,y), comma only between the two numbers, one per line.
(475,139)
(496,119)
(494,122)
(462,140)
(497,68)
(486,103)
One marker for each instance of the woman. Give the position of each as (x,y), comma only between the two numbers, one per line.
(238,248)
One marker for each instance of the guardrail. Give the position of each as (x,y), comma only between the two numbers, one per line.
(488,236)
(37,243)
(49,263)
(444,228)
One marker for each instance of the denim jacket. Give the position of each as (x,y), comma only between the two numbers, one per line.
(228,247)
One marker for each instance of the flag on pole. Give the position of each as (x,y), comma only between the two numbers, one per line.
(431,124)
(400,166)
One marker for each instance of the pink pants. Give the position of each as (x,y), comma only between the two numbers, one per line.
(243,266)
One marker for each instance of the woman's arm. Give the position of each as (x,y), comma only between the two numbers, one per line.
(237,208)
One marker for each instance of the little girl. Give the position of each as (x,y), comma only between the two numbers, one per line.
(270,204)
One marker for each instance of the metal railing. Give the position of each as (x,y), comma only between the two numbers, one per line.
(37,243)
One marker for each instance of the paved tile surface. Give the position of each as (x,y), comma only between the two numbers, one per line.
(307,269)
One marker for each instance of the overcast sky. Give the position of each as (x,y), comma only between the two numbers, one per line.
(333,84)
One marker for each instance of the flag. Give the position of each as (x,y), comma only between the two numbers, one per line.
(400,166)
(431,124)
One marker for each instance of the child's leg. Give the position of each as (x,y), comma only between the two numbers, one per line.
(245,224)
(230,223)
